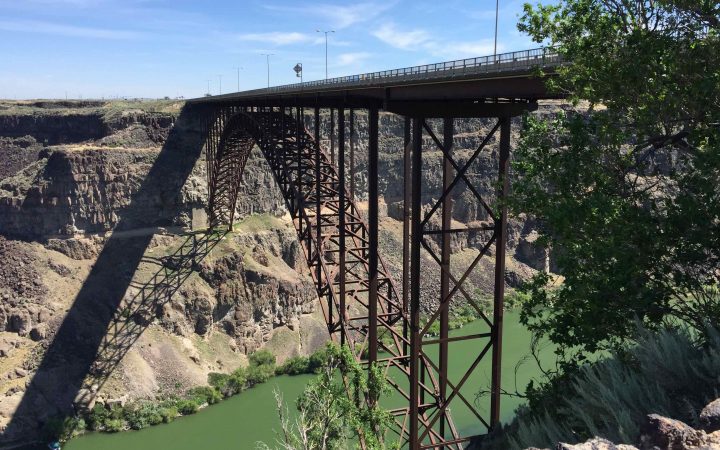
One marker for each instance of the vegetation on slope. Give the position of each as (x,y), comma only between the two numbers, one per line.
(627,192)
(142,414)
(330,416)
(671,372)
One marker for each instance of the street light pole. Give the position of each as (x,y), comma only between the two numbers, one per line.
(326,49)
(219,84)
(208,91)
(497,8)
(238,77)
(267,56)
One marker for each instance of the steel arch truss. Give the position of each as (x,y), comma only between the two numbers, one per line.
(357,293)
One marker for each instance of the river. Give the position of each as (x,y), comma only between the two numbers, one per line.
(241,421)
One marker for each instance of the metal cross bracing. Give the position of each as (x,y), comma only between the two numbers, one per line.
(357,292)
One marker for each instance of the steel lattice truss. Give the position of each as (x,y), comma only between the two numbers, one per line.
(357,293)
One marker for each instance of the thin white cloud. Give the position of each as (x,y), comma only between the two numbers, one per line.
(458,50)
(349,59)
(339,16)
(422,40)
(277,38)
(405,40)
(33,26)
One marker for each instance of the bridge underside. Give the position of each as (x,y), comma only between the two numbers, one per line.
(375,312)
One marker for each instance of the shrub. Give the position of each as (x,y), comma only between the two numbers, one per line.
(97,417)
(187,407)
(168,413)
(665,372)
(319,359)
(62,428)
(236,382)
(294,366)
(205,394)
(259,374)
(218,380)
(114,425)
(143,415)
(262,358)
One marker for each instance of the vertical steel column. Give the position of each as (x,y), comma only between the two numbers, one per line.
(407,186)
(445,264)
(332,137)
(318,208)
(373,231)
(499,295)
(298,148)
(352,153)
(416,235)
(341,197)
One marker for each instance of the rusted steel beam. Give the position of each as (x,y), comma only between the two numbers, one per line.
(342,313)
(352,153)
(499,293)
(407,187)
(415,339)
(299,162)
(445,264)
(332,136)
(373,124)
(318,193)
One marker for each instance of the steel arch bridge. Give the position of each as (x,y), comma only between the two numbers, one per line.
(358,293)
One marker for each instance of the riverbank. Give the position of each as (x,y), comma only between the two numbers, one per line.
(243,420)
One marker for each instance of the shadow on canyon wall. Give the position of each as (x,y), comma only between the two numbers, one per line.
(99,327)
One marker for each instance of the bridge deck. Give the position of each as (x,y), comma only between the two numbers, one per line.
(432,88)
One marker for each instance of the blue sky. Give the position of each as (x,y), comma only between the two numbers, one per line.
(156,48)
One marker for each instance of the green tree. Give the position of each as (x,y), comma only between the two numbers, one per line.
(626,185)
(328,412)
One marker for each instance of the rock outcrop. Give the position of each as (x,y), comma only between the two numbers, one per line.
(663,433)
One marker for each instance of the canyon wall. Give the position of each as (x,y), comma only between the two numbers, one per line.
(82,184)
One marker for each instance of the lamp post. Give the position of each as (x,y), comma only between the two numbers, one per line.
(267,56)
(208,91)
(497,8)
(219,84)
(238,77)
(326,49)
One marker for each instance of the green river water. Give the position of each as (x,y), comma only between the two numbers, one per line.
(243,420)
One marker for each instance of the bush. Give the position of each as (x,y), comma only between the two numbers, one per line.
(665,372)
(114,425)
(262,358)
(187,407)
(62,428)
(319,359)
(218,380)
(259,374)
(205,394)
(294,366)
(168,413)
(143,415)
(97,417)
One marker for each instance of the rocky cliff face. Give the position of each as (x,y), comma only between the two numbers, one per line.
(77,176)
(73,183)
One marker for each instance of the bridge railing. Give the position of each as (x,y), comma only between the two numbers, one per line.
(503,62)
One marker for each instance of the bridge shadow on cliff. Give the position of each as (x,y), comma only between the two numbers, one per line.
(100,327)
